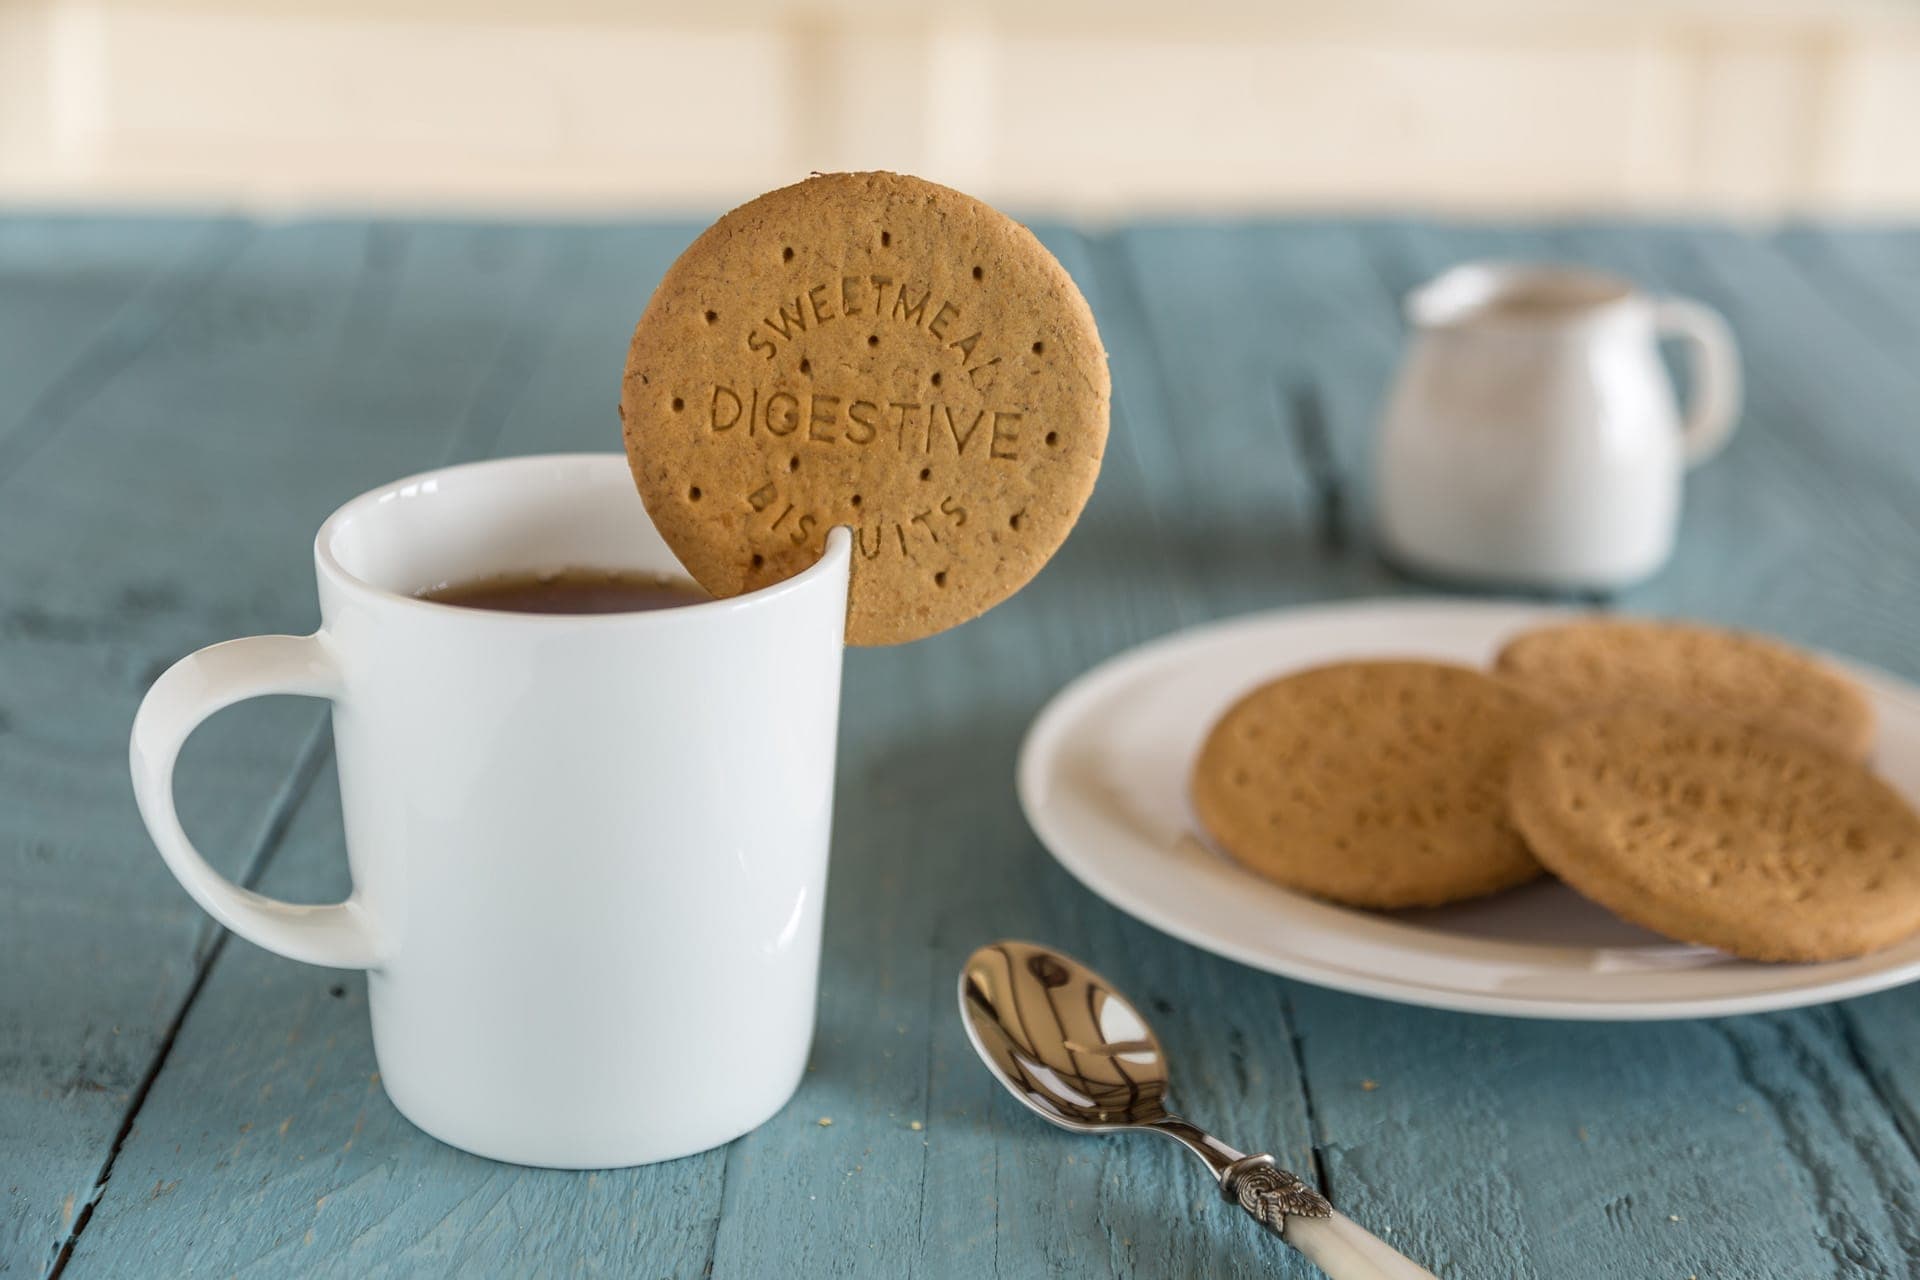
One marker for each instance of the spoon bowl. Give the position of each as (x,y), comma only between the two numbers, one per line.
(1064,1041)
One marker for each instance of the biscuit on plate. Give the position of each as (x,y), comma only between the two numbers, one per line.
(1598,663)
(1714,831)
(1377,784)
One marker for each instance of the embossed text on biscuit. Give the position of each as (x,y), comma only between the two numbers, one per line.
(910,426)
(876,298)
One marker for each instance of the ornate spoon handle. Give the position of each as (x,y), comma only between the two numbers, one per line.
(1288,1207)
(1270,1194)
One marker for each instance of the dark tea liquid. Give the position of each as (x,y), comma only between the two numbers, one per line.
(571,591)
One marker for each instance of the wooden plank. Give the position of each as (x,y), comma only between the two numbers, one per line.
(1490,1147)
(1746,1148)
(1869,275)
(81,296)
(932,858)
(1868,279)
(1799,525)
(348,1187)
(1883,1036)
(1241,320)
(1478,1139)
(267,1147)
(1831,408)
(928,840)
(1807,524)
(172,508)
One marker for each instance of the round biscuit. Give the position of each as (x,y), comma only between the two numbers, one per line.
(875,351)
(1714,831)
(1377,784)
(1596,664)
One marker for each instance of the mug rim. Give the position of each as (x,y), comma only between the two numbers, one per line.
(835,558)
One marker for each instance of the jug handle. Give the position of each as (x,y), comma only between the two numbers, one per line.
(1714,365)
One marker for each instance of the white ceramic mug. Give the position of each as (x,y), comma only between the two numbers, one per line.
(1532,438)
(588,852)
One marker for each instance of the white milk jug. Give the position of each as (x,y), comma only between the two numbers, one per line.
(1532,438)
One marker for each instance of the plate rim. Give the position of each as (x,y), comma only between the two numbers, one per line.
(1063,710)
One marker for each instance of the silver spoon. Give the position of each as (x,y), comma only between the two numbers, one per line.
(1075,1050)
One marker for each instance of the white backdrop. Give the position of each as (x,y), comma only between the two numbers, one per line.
(1725,106)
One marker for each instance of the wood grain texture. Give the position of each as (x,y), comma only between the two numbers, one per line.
(1872,279)
(1790,543)
(71,293)
(171,507)
(935,837)
(1770,1147)
(81,297)
(332,1193)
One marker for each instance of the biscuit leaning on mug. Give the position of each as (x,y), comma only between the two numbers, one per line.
(1377,784)
(870,350)
(1598,663)
(1714,831)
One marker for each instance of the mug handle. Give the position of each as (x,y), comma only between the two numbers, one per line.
(1714,363)
(340,935)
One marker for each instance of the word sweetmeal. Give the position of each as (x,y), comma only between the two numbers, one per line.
(816,305)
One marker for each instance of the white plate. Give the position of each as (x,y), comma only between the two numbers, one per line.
(1102,778)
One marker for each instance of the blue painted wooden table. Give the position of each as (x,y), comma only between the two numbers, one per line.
(182,401)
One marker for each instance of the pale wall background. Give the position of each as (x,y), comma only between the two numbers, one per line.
(1763,108)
